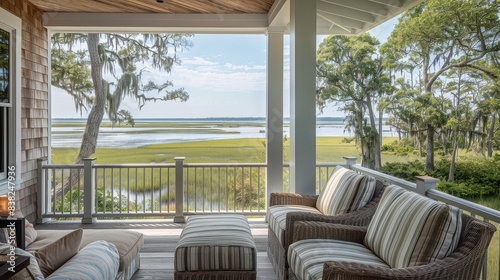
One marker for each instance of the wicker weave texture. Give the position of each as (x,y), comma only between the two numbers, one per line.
(216,275)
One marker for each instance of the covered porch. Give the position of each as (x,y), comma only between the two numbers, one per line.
(34,21)
(161,235)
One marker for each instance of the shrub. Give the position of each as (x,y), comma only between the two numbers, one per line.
(406,171)
(399,147)
(474,177)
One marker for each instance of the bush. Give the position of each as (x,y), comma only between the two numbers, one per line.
(401,147)
(474,177)
(406,171)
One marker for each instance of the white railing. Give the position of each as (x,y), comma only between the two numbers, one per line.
(142,190)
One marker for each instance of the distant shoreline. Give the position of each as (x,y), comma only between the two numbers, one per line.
(67,133)
(209,119)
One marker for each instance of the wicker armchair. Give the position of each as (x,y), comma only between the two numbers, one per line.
(278,245)
(465,262)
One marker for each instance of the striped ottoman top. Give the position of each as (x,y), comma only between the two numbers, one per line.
(216,242)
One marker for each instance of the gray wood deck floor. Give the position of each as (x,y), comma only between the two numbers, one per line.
(160,239)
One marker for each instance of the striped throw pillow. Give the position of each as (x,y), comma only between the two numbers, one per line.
(98,260)
(345,191)
(409,229)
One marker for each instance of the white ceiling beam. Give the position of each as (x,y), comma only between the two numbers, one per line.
(344,12)
(329,29)
(335,23)
(279,14)
(341,20)
(389,3)
(189,23)
(361,5)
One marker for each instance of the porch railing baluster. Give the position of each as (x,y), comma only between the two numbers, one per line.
(128,190)
(179,190)
(89,191)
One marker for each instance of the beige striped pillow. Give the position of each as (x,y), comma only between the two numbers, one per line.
(345,191)
(409,229)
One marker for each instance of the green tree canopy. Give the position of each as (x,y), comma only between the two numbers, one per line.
(438,36)
(350,74)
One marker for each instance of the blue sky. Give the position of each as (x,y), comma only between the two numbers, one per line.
(225,76)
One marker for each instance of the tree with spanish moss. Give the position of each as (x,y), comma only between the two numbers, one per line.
(100,70)
(438,36)
(350,74)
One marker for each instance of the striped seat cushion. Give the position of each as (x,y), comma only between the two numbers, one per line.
(276,217)
(345,191)
(98,260)
(221,242)
(409,229)
(307,257)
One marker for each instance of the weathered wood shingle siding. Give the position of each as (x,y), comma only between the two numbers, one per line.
(34,99)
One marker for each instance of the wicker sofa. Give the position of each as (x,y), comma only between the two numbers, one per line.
(453,245)
(285,209)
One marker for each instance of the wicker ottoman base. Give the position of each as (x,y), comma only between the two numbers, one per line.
(216,247)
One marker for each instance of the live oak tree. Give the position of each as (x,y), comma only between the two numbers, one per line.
(441,35)
(350,74)
(100,70)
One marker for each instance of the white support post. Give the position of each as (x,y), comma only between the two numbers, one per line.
(41,192)
(303,96)
(274,123)
(350,161)
(425,183)
(179,190)
(88,191)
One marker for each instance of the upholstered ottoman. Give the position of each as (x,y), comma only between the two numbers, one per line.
(216,247)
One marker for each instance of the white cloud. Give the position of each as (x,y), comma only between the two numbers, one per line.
(198,61)
(231,66)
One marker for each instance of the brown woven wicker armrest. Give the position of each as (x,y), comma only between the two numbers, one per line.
(443,269)
(322,230)
(336,270)
(292,199)
(361,217)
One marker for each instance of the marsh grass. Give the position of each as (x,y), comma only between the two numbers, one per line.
(243,150)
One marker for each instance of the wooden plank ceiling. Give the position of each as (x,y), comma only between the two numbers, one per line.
(240,16)
(155,7)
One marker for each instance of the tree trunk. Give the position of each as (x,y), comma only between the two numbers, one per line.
(374,137)
(491,133)
(484,124)
(380,125)
(89,139)
(444,139)
(451,174)
(429,160)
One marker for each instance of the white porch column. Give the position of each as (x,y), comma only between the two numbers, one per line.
(274,129)
(302,96)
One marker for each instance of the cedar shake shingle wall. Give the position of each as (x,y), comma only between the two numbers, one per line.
(34,100)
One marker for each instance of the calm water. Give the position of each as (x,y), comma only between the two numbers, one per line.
(209,129)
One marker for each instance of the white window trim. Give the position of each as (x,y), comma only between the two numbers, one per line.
(15,24)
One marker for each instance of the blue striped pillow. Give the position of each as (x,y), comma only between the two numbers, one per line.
(98,260)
